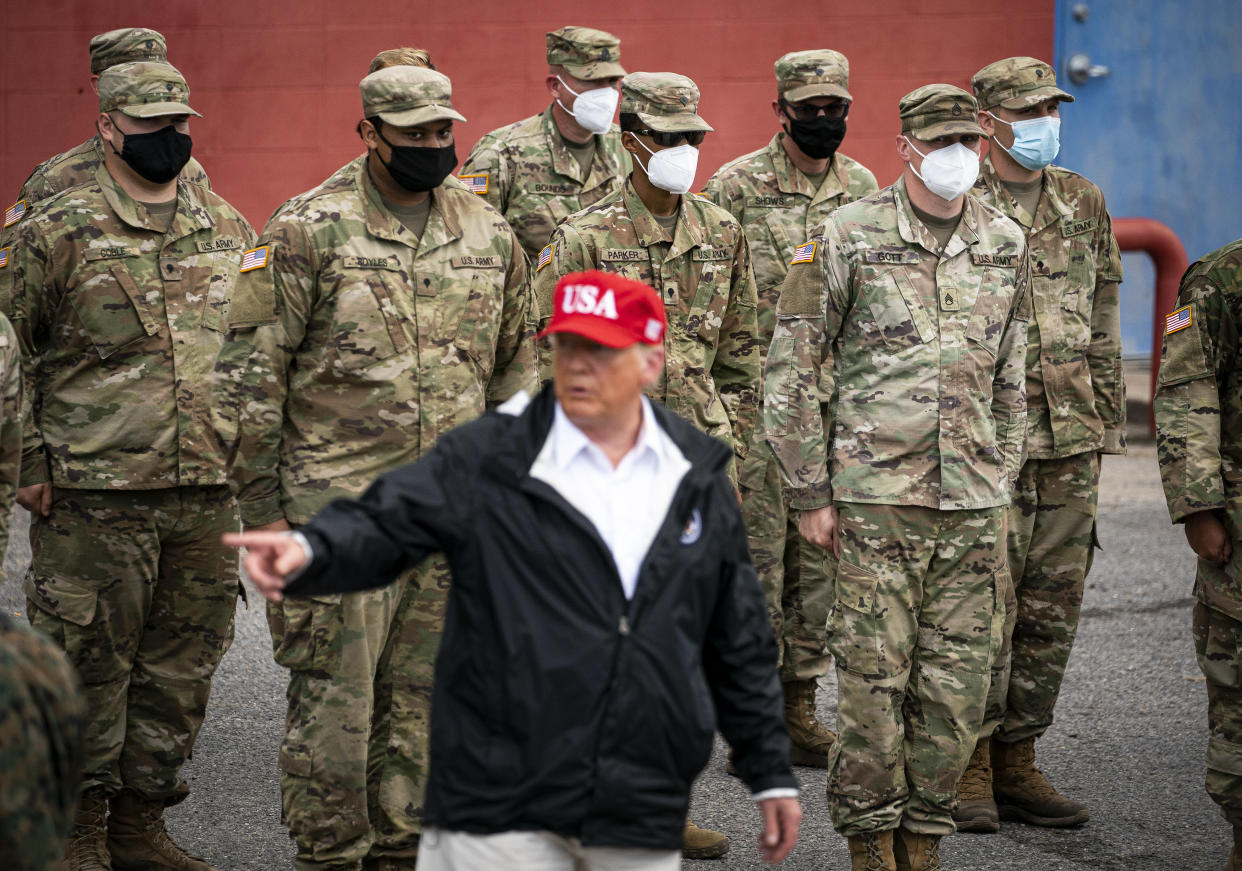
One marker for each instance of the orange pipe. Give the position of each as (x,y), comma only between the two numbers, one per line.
(1169,257)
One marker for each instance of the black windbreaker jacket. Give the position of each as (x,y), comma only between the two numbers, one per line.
(558,704)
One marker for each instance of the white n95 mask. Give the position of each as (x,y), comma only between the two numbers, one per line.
(673,168)
(592,109)
(947,172)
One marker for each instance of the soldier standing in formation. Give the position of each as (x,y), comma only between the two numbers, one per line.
(780,194)
(1199,445)
(119,288)
(894,404)
(541,170)
(1075,413)
(379,310)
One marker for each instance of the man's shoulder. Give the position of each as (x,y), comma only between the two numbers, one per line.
(994,225)
(876,212)
(471,210)
(524,137)
(219,208)
(719,222)
(743,171)
(73,207)
(600,215)
(1220,270)
(1082,194)
(858,176)
(65,170)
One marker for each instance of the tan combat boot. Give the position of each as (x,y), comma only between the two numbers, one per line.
(976,808)
(872,852)
(1023,793)
(699,843)
(809,739)
(138,840)
(915,852)
(88,843)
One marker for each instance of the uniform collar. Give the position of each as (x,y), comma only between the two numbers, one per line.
(442,227)
(190,217)
(601,168)
(912,230)
(688,232)
(1051,209)
(792,180)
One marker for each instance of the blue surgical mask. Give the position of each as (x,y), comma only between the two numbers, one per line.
(1036,141)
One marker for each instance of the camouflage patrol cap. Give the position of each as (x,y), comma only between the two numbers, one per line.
(126,45)
(663,101)
(405,95)
(1015,83)
(585,53)
(939,110)
(816,73)
(144,89)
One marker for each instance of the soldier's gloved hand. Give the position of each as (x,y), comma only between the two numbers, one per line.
(1208,537)
(270,558)
(819,527)
(37,498)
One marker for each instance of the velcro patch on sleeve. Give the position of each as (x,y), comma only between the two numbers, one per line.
(4,257)
(476,184)
(545,257)
(804,253)
(15,213)
(1178,319)
(256,258)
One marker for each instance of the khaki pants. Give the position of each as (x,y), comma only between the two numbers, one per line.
(534,851)
(135,586)
(354,759)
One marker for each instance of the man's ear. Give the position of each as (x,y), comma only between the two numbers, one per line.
(653,365)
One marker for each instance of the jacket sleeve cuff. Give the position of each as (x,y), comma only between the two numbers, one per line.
(1180,509)
(261,511)
(1114,441)
(35,472)
(775,792)
(810,498)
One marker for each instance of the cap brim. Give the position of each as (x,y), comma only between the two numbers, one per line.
(595,70)
(681,122)
(819,89)
(593,328)
(156,110)
(947,128)
(421,115)
(1039,95)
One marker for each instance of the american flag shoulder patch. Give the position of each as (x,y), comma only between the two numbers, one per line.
(255,258)
(16,212)
(4,257)
(702,195)
(545,257)
(804,253)
(476,184)
(1179,319)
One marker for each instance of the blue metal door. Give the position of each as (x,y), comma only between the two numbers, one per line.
(1161,131)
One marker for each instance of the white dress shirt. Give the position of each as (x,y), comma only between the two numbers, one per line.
(627,504)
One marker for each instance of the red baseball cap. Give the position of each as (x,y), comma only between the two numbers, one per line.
(607,308)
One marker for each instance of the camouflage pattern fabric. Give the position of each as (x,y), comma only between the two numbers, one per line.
(119,324)
(10,425)
(360,665)
(136,588)
(1199,444)
(41,718)
(916,625)
(703,273)
(895,374)
(529,175)
(351,351)
(1075,393)
(1051,543)
(778,206)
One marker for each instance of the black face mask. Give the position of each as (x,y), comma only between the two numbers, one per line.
(158,157)
(419,169)
(819,137)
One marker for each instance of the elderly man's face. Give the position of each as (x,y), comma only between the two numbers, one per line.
(595,383)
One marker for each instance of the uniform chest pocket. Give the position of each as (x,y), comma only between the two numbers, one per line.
(991,310)
(897,317)
(224,268)
(712,274)
(479,324)
(366,326)
(112,310)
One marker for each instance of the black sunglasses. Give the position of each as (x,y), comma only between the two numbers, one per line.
(666,140)
(807,112)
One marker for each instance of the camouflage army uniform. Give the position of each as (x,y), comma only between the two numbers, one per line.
(526,171)
(41,718)
(10,419)
(119,323)
(779,207)
(704,275)
(1199,441)
(1075,411)
(894,390)
(352,349)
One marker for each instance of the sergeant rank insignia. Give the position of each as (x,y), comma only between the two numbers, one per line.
(476,184)
(545,256)
(804,253)
(1178,320)
(16,212)
(255,258)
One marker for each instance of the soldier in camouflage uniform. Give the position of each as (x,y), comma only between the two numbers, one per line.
(119,292)
(79,165)
(1075,412)
(541,170)
(1199,442)
(380,310)
(780,194)
(894,404)
(696,257)
(10,415)
(42,715)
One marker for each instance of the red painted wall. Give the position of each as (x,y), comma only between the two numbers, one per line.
(277,82)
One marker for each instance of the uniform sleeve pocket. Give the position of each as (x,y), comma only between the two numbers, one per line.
(1183,357)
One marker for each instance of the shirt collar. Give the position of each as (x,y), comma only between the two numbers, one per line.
(568,441)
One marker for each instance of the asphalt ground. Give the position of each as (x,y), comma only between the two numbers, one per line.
(1129,738)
